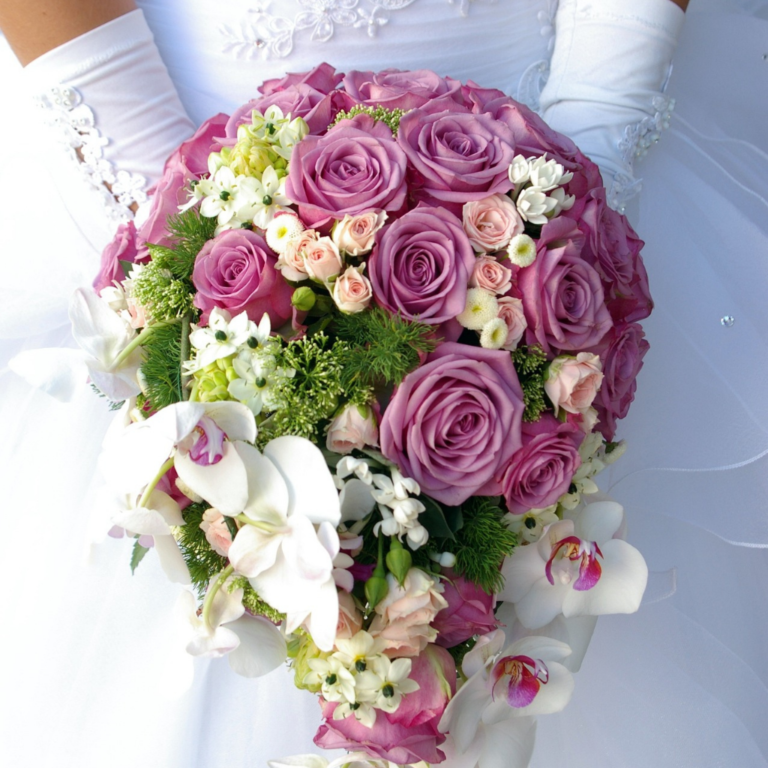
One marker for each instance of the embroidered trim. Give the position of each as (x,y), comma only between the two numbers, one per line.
(269,35)
(640,136)
(75,124)
(531,84)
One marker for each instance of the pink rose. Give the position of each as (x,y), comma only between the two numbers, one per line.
(355,234)
(491,223)
(469,612)
(491,276)
(512,313)
(352,292)
(614,248)
(408,735)
(322,260)
(121,248)
(404,616)
(323,78)
(350,619)
(216,531)
(562,294)
(188,162)
(291,261)
(622,351)
(398,89)
(355,167)
(454,423)
(236,271)
(572,382)
(542,470)
(354,427)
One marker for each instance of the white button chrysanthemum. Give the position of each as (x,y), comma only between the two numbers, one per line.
(481,308)
(282,229)
(522,250)
(494,334)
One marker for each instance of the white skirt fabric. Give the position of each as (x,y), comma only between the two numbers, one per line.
(93,672)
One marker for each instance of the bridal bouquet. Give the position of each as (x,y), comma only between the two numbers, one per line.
(373,337)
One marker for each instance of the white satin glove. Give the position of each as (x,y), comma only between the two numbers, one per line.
(109,98)
(610,63)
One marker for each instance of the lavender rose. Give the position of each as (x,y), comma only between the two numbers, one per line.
(614,250)
(622,351)
(469,611)
(408,735)
(400,89)
(323,78)
(562,294)
(354,168)
(456,156)
(421,265)
(121,248)
(236,271)
(454,423)
(542,470)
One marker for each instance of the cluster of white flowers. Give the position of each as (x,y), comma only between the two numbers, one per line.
(246,356)
(500,321)
(246,185)
(539,193)
(595,457)
(394,495)
(361,679)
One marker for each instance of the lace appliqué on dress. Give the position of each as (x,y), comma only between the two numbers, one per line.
(75,124)
(269,35)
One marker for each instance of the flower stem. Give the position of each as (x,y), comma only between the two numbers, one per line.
(154,481)
(260,524)
(137,342)
(211,594)
(184,355)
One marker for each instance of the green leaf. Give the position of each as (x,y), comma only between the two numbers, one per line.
(433,518)
(454,517)
(127,267)
(137,555)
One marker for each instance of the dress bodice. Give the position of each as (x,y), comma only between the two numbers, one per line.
(218,53)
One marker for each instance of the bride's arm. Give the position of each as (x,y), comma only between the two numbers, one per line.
(33,27)
(107,98)
(609,66)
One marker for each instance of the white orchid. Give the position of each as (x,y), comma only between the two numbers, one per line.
(198,439)
(254,646)
(490,719)
(576,569)
(288,541)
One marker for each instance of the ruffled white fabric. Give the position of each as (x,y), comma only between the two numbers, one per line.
(681,684)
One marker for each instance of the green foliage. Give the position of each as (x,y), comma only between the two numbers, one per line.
(164,286)
(253,602)
(202,561)
(482,543)
(137,555)
(530,364)
(441,522)
(315,391)
(162,365)
(390,117)
(382,348)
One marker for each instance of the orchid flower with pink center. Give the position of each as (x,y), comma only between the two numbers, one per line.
(521,676)
(561,575)
(207,443)
(573,549)
(490,720)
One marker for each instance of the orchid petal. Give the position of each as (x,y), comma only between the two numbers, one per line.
(464,712)
(166,506)
(508,743)
(223,485)
(323,620)
(262,648)
(329,538)
(216,644)
(553,695)
(599,521)
(356,500)
(267,492)
(521,570)
(171,560)
(620,588)
(118,385)
(301,761)
(227,606)
(486,647)
(97,329)
(310,484)
(253,551)
(539,647)
(235,419)
(542,603)
(143,521)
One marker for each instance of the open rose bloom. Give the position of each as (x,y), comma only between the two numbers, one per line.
(371,341)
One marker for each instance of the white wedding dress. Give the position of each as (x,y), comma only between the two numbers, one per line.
(92,672)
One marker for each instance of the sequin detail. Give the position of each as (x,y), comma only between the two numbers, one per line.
(75,125)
